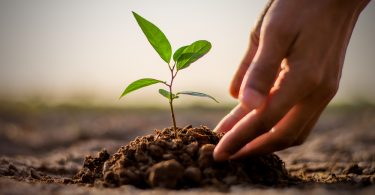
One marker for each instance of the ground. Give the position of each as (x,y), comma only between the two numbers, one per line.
(39,141)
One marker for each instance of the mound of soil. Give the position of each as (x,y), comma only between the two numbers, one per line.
(177,162)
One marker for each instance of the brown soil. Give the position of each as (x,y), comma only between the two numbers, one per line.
(43,147)
(182,161)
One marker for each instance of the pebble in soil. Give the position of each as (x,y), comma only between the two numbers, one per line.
(184,161)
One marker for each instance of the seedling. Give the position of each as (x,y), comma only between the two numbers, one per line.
(182,57)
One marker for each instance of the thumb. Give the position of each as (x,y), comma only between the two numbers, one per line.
(262,73)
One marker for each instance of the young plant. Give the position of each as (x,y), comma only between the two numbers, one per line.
(182,58)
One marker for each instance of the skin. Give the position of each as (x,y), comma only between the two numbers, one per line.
(289,74)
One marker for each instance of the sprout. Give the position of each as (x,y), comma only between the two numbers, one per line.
(182,57)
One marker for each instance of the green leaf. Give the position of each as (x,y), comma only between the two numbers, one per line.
(192,53)
(139,84)
(166,94)
(178,53)
(156,38)
(199,94)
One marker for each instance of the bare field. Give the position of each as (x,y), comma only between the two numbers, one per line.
(38,141)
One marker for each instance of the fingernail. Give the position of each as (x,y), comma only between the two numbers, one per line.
(218,128)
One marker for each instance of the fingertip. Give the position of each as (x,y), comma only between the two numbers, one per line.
(220,155)
(221,127)
(217,129)
(233,91)
(235,84)
(227,123)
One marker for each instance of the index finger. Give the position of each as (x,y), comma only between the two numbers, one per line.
(279,102)
(253,47)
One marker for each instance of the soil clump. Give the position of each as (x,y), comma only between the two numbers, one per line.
(184,161)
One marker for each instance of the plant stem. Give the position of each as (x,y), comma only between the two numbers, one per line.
(173,75)
(172,111)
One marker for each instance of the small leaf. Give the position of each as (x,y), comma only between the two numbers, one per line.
(156,38)
(139,84)
(192,53)
(166,94)
(178,53)
(199,94)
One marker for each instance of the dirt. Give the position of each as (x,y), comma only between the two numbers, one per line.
(43,149)
(178,160)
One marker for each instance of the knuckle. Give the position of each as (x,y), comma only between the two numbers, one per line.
(312,80)
(327,90)
(330,88)
(262,77)
(318,82)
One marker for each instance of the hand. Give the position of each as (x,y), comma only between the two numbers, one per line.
(289,74)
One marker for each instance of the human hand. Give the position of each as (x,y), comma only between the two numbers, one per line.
(289,74)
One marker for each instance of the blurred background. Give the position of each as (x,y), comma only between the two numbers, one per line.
(87,51)
(64,63)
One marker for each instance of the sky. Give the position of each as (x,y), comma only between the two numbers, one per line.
(91,49)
